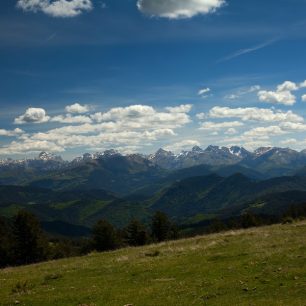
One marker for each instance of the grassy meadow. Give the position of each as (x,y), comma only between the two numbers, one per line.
(260,266)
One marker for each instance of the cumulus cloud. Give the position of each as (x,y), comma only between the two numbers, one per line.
(287,86)
(201,116)
(304,98)
(129,127)
(182,145)
(231,131)
(30,146)
(77,109)
(293,126)
(33,115)
(282,95)
(260,136)
(288,142)
(285,97)
(219,126)
(185,108)
(143,116)
(265,132)
(175,9)
(254,114)
(250,139)
(71,119)
(56,8)
(11,133)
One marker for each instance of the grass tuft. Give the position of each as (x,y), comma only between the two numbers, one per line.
(22,287)
(153,253)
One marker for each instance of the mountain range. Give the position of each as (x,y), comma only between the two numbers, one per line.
(125,174)
(264,157)
(190,187)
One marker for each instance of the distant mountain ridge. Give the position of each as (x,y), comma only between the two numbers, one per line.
(212,155)
(127,174)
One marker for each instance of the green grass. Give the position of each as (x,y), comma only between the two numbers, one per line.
(262,266)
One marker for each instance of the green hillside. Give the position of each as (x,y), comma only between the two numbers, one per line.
(187,201)
(260,266)
(213,195)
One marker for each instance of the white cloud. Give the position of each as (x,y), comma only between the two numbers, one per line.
(201,116)
(56,8)
(71,119)
(257,136)
(288,142)
(174,9)
(232,96)
(33,115)
(265,131)
(254,114)
(11,133)
(77,108)
(287,86)
(231,131)
(293,126)
(303,84)
(285,97)
(203,91)
(253,88)
(242,92)
(185,108)
(248,142)
(133,112)
(30,146)
(304,98)
(143,116)
(129,127)
(282,95)
(219,126)
(182,145)
(247,50)
(254,144)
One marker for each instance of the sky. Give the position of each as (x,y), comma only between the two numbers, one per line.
(82,76)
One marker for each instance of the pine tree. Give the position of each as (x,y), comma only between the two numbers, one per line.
(161,227)
(5,243)
(30,244)
(104,236)
(136,234)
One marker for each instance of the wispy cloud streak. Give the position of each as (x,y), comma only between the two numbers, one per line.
(248,50)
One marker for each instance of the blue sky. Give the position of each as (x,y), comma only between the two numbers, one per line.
(132,72)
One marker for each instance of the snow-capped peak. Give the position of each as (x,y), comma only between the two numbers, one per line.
(45,156)
(197,149)
(262,150)
(239,151)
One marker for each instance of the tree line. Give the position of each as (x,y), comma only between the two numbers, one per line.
(244,221)
(22,240)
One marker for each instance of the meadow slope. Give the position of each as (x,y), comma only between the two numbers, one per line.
(260,266)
